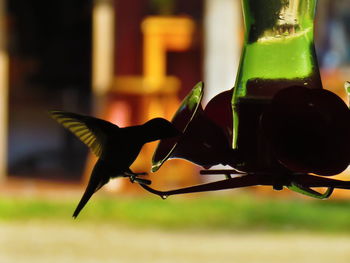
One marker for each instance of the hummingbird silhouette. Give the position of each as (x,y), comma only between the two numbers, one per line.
(116,148)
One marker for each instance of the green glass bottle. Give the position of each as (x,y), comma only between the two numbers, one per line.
(278,52)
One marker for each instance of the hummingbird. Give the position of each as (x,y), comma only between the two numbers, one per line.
(116,148)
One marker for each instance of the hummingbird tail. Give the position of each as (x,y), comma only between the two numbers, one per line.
(97,180)
(86,197)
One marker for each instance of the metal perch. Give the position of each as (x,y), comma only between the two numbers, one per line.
(303,182)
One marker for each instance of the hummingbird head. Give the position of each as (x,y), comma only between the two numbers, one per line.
(159,128)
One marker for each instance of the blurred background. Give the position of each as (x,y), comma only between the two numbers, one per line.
(127,62)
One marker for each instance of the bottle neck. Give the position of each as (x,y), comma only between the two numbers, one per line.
(264,19)
(278,48)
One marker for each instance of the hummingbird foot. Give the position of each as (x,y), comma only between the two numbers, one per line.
(132,174)
(134,178)
(140,174)
(140,181)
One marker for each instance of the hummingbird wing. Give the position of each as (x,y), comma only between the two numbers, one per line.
(91,131)
(99,178)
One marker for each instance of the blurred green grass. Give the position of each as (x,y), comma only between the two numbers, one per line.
(217,213)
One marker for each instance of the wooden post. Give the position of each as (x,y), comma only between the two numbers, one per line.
(222,45)
(4,61)
(102,50)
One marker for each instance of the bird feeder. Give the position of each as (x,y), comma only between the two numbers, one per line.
(278,126)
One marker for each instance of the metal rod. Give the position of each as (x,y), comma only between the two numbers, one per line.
(229,171)
(304,180)
(317,181)
(237,182)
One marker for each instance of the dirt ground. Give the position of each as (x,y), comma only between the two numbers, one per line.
(80,242)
